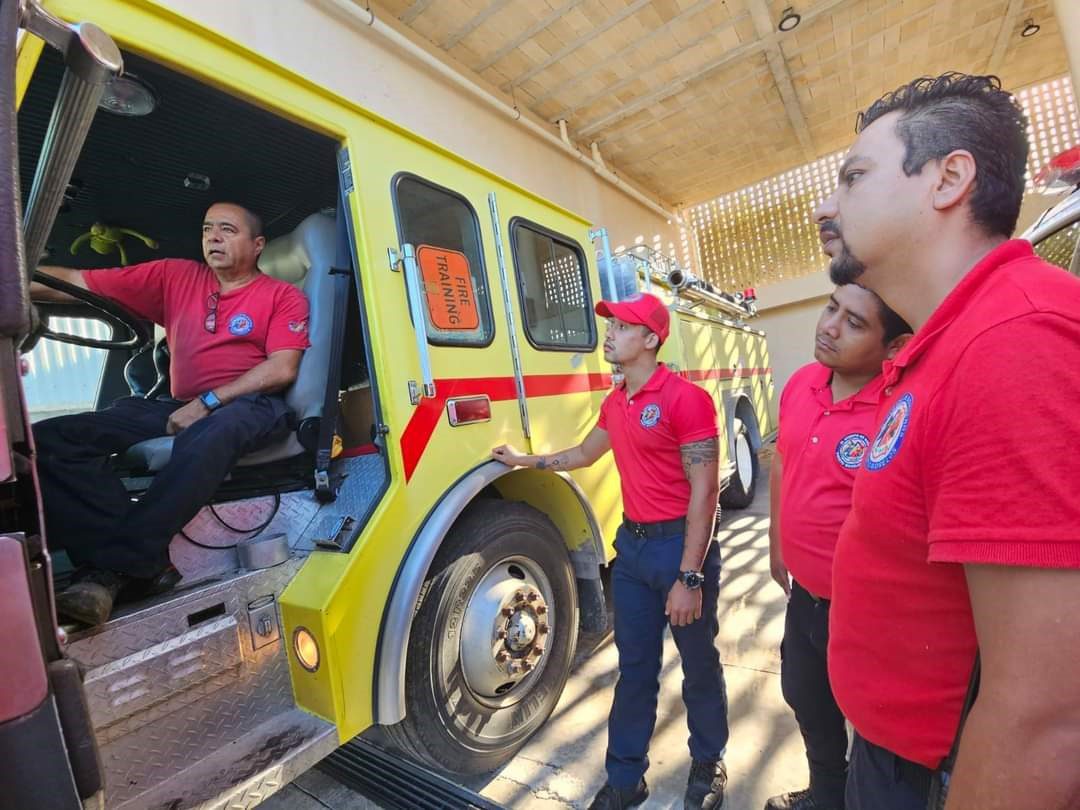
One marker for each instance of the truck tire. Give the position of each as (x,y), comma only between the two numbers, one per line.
(743,483)
(492,641)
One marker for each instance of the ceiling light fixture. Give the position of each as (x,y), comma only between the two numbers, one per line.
(788,20)
(1030,28)
(128,95)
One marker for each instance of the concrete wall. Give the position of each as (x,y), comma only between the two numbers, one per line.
(789,311)
(312,39)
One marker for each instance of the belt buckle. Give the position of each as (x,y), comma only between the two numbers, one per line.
(639,531)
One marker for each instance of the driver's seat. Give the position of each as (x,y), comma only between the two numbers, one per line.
(304,258)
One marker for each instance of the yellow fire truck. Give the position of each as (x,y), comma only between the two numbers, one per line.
(375,568)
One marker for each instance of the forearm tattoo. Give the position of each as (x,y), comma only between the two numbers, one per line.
(706,451)
(553,462)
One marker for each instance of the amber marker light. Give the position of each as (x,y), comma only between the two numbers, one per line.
(306,649)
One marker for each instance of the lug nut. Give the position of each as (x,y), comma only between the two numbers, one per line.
(541,610)
(501,657)
(525,666)
(533,596)
(508,612)
(542,628)
(519,596)
(500,635)
(538,651)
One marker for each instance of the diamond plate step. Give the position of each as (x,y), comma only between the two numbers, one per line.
(247,771)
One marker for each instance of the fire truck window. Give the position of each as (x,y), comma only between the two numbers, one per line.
(554,289)
(1060,248)
(444,229)
(62,378)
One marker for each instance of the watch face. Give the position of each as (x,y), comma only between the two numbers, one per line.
(693,579)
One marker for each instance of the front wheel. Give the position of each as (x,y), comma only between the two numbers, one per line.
(492,641)
(740,489)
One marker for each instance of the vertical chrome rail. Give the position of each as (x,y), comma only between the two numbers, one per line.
(92,58)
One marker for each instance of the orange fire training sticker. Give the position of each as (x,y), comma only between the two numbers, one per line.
(451,297)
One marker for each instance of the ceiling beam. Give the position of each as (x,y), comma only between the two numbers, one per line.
(763,24)
(485,15)
(739,52)
(570,47)
(640,42)
(1001,44)
(566,112)
(528,34)
(672,89)
(415,10)
(613,137)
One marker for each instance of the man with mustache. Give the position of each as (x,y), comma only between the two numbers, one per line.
(236,337)
(663,432)
(964,532)
(826,418)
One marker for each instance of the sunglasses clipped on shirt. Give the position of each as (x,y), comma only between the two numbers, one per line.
(210,323)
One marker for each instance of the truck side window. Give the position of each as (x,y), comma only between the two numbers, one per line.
(554,289)
(443,228)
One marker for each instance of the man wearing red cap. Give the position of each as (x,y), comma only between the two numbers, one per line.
(664,434)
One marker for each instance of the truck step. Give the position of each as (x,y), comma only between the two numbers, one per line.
(394,782)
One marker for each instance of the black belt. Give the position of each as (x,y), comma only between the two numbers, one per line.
(653,531)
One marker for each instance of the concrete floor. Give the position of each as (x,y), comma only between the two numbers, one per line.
(562,765)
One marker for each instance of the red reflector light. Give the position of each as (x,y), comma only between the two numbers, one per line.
(750,294)
(468,410)
(1063,170)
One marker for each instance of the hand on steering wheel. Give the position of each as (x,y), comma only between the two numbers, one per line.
(129,332)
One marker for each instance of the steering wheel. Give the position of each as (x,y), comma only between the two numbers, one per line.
(129,332)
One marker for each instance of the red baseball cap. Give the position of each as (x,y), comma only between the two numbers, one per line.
(642,308)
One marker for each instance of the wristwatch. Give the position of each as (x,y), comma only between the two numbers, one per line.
(692,579)
(210,400)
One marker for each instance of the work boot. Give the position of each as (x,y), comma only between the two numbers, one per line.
(799,800)
(90,596)
(705,787)
(613,798)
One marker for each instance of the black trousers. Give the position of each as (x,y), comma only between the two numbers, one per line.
(804,677)
(90,514)
(880,780)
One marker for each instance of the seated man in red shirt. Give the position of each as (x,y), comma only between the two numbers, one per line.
(827,414)
(236,338)
(964,532)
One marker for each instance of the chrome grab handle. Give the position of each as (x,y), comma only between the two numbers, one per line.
(92,58)
(407,261)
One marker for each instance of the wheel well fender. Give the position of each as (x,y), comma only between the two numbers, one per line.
(741,408)
(557,495)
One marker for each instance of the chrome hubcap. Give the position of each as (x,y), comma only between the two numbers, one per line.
(744,463)
(506,627)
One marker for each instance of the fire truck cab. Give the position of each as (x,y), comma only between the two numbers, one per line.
(375,567)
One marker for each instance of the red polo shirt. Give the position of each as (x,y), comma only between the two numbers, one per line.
(646,433)
(252,322)
(974,461)
(821,444)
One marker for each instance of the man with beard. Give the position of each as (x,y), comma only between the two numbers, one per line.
(964,533)
(827,414)
(663,432)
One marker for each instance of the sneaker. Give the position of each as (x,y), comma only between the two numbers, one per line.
(799,800)
(89,598)
(613,798)
(705,786)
